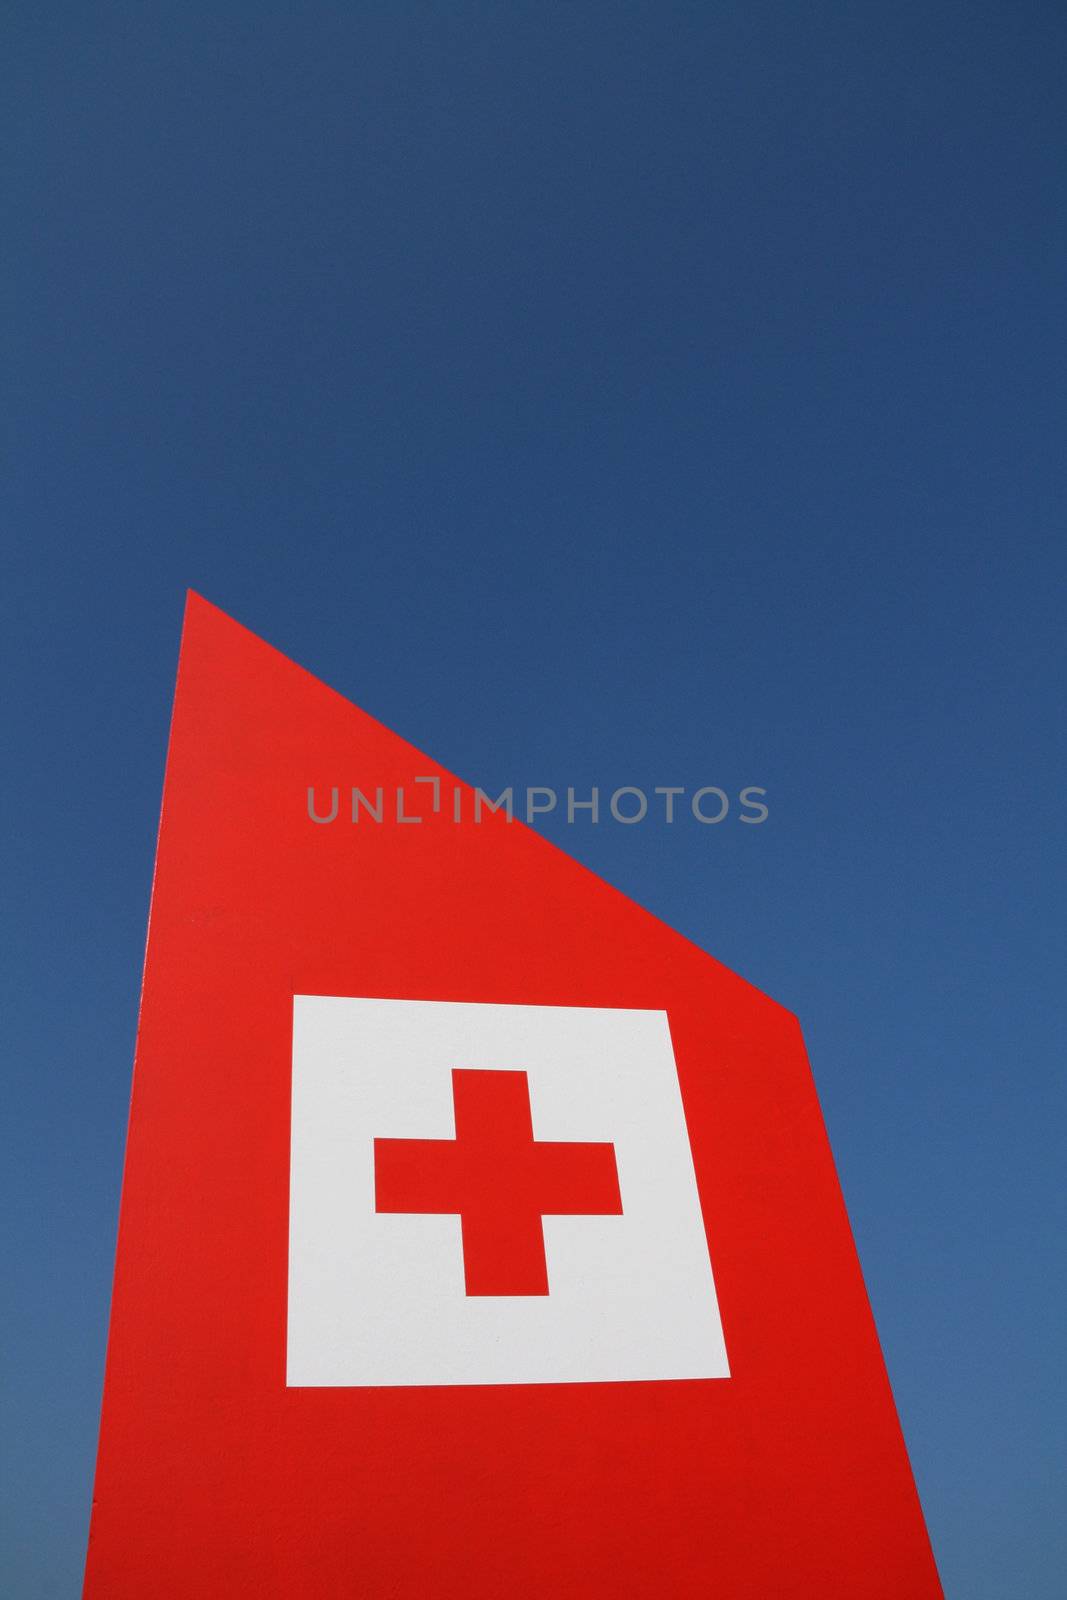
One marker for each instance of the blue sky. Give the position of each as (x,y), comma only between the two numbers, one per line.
(617,394)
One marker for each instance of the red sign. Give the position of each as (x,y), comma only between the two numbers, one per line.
(479,1236)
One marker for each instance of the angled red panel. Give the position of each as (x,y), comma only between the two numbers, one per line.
(217,1476)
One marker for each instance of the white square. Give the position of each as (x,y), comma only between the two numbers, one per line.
(379,1299)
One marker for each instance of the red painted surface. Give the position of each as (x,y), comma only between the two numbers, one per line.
(500,1181)
(788,1479)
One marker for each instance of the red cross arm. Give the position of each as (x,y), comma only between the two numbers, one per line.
(417,1176)
(575,1180)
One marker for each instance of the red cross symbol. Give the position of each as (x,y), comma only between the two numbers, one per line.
(499,1179)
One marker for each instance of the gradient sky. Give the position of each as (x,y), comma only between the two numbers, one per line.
(604,393)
